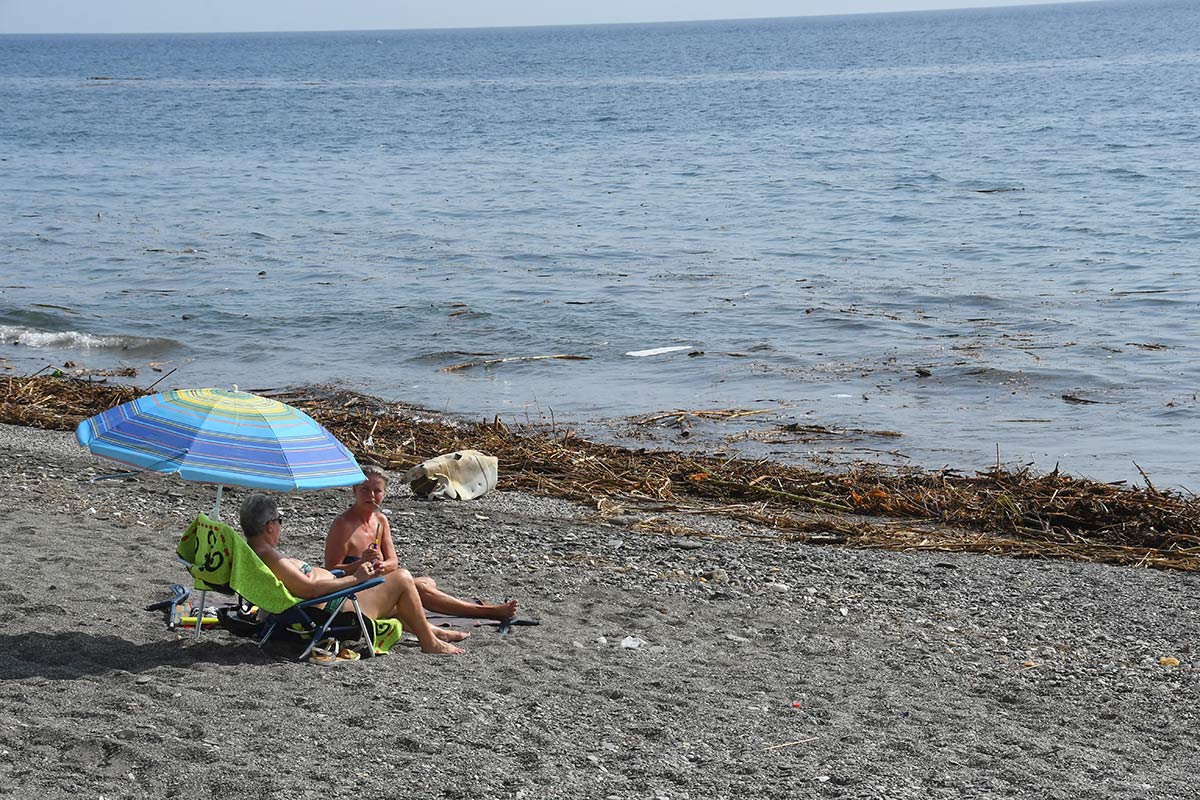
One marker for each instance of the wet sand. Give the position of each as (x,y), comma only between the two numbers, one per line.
(762,670)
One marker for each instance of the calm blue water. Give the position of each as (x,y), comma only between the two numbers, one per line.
(1005,199)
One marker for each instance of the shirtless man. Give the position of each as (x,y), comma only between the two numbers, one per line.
(362,532)
(396,597)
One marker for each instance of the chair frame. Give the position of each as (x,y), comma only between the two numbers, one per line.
(296,615)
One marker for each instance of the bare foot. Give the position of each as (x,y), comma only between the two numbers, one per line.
(502,612)
(448,635)
(439,648)
(507,611)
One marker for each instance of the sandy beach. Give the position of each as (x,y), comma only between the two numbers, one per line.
(762,671)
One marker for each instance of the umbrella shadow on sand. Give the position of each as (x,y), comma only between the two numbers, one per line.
(71,655)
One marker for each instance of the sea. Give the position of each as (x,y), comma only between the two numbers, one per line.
(936,239)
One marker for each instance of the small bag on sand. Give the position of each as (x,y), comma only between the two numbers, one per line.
(463,475)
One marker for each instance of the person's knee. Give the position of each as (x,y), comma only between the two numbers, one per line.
(425,583)
(402,578)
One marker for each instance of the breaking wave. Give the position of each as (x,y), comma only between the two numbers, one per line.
(79,340)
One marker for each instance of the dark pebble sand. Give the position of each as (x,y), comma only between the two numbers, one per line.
(761,670)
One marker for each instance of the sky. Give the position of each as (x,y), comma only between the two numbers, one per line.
(220,16)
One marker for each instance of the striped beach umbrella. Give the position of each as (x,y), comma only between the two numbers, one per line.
(228,438)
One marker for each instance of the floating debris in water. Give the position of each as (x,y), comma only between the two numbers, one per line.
(658,351)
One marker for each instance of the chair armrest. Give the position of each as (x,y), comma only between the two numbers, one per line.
(349,590)
(337,573)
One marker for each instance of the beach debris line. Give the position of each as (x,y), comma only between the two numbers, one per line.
(493,361)
(681,419)
(786,433)
(716,413)
(801,432)
(1003,511)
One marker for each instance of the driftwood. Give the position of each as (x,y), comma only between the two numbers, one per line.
(492,361)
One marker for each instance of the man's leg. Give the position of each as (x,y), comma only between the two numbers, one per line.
(397,597)
(434,599)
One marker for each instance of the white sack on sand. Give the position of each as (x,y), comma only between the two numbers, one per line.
(462,475)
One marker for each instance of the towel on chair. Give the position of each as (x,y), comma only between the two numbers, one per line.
(221,560)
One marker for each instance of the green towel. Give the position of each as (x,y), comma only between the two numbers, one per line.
(386,634)
(220,559)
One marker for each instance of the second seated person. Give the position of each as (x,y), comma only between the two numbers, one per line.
(362,532)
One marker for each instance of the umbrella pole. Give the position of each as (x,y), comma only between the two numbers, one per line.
(200,614)
(217,508)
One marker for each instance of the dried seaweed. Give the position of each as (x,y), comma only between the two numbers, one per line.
(1015,512)
(56,403)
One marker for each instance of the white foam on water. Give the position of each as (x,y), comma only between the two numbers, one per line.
(31,337)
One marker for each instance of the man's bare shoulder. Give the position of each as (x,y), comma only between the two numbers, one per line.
(268,556)
(342,524)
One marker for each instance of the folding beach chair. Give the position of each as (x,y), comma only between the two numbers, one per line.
(220,560)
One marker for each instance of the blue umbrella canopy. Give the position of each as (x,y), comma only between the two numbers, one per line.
(223,437)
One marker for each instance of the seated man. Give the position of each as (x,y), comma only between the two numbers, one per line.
(396,597)
(362,533)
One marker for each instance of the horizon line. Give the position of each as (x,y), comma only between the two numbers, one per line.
(1000,4)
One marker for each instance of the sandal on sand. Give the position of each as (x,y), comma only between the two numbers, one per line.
(324,652)
(346,654)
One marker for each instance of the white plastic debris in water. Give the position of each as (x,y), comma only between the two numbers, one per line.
(658,351)
(631,643)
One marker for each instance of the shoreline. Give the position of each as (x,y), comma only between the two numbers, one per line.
(1082,439)
(1014,512)
(764,670)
